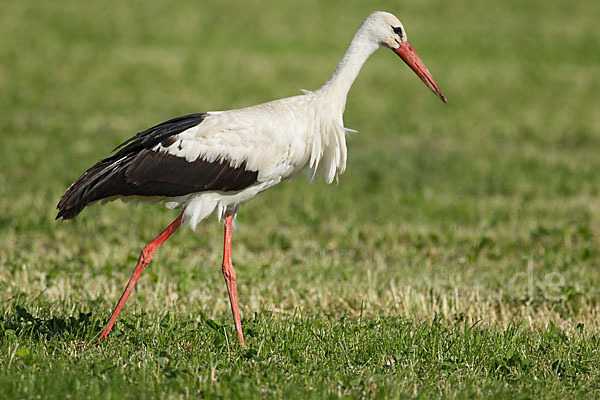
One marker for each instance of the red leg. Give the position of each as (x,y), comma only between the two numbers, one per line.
(229,274)
(145,258)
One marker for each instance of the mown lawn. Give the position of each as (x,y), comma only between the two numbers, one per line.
(457,257)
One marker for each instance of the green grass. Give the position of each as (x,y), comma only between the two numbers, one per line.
(457,257)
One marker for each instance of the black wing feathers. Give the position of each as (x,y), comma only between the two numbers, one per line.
(136,170)
(160,174)
(153,136)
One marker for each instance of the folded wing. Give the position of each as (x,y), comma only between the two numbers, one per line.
(139,168)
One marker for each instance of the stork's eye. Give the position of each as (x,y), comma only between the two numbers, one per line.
(397,30)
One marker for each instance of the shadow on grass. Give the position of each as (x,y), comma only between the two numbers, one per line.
(22,323)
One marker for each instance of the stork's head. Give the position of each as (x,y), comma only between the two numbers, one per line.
(389,32)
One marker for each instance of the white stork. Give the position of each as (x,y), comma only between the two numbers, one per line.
(219,160)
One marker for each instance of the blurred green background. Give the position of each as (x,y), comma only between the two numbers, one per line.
(484,210)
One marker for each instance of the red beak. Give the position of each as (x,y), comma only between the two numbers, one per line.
(412,59)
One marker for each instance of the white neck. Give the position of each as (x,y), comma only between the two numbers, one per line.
(328,143)
(361,47)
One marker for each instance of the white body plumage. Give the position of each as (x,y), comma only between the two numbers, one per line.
(278,139)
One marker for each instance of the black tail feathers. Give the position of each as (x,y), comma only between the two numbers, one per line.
(88,188)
